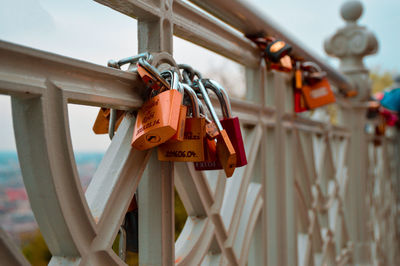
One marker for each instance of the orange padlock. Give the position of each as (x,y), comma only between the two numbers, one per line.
(211,129)
(157,120)
(210,143)
(191,149)
(101,125)
(179,135)
(316,89)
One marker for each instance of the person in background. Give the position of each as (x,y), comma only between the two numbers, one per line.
(390,102)
(391,97)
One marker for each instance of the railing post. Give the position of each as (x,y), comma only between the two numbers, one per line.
(351,44)
(156,189)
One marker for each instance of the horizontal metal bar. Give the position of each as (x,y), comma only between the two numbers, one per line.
(248,20)
(134,8)
(196,26)
(293,121)
(24,71)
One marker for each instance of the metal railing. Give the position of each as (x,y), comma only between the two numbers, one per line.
(291,205)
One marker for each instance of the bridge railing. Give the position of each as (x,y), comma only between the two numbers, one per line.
(308,195)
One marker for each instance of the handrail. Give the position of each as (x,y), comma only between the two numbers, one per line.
(249,21)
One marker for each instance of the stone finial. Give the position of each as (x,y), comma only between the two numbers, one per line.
(351,11)
(351,44)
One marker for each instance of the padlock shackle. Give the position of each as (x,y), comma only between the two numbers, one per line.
(193,100)
(117,64)
(188,73)
(201,107)
(308,65)
(222,96)
(153,71)
(202,111)
(186,78)
(312,70)
(175,81)
(209,105)
(132,60)
(188,70)
(122,243)
(175,84)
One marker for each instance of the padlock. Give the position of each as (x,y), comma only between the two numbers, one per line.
(131,225)
(284,65)
(316,89)
(276,52)
(229,123)
(210,144)
(225,151)
(103,119)
(210,152)
(211,128)
(373,109)
(157,120)
(299,102)
(101,125)
(151,77)
(179,135)
(191,149)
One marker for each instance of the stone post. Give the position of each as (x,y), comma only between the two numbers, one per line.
(351,44)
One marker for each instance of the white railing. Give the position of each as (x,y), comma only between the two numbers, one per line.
(291,205)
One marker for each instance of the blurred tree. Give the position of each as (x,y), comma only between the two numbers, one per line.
(380,80)
(35,249)
(180,215)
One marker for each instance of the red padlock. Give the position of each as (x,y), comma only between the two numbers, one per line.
(229,123)
(298,97)
(231,126)
(226,153)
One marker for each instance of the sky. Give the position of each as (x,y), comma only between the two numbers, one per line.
(88,31)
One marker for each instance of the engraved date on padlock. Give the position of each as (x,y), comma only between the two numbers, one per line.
(191,149)
(181,154)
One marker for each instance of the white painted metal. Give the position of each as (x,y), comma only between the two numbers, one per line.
(288,206)
(9,252)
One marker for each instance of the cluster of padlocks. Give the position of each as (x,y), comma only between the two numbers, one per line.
(311,87)
(179,119)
